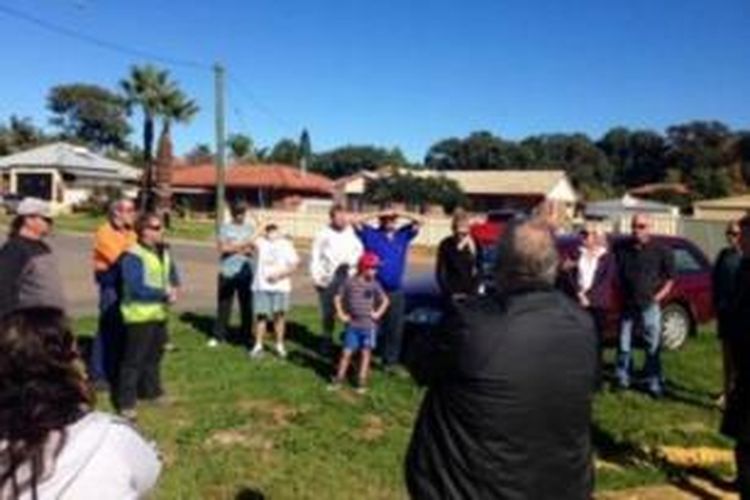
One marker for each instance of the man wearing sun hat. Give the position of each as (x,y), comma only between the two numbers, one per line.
(390,242)
(27,264)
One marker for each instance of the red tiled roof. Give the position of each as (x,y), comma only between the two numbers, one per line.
(253,176)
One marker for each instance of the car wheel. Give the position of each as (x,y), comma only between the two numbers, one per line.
(676,326)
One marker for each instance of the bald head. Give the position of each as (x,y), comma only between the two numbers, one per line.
(526,256)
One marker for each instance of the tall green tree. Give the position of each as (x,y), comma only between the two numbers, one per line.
(348,160)
(20,134)
(637,157)
(145,89)
(305,151)
(702,152)
(199,154)
(90,114)
(152,91)
(285,151)
(241,148)
(175,107)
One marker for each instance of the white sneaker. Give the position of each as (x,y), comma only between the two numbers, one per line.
(257,352)
(281,350)
(212,343)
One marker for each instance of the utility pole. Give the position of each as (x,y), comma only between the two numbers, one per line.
(220,145)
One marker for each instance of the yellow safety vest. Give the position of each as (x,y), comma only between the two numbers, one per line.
(156,275)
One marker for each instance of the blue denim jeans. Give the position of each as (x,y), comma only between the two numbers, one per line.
(109,334)
(650,318)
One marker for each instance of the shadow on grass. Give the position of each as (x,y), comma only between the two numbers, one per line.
(249,494)
(628,454)
(682,394)
(204,323)
(308,354)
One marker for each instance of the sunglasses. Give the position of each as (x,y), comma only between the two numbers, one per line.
(639,226)
(155,227)
(732,233)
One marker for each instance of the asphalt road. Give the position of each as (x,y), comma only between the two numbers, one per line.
(197,264)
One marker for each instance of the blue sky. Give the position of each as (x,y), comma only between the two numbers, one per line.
(404,72)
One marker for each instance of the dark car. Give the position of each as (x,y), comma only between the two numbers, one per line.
(687,306)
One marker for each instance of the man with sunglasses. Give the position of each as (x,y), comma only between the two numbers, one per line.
(111,241)
(149,287)
(26,260)
(724,288)
(646,272)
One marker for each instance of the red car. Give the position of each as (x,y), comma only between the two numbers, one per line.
(686,307)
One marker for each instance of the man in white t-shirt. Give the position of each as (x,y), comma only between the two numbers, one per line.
(335,253)
(276,261)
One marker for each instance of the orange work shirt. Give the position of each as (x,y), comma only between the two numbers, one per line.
(109,244)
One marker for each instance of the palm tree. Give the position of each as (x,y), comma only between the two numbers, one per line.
(175,107)
(145,88)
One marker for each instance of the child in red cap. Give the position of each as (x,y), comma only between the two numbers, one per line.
(360,304)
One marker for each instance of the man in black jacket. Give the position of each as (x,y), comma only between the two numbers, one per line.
(510,382)
(736,420)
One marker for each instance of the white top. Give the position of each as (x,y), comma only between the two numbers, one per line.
(587,264)
(274,257)
(103,457)
(331,250)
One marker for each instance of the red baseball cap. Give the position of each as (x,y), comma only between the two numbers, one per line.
(369,260)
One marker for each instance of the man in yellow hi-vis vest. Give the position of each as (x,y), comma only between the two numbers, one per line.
(149,287)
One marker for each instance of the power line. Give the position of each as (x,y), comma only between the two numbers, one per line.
(252,99)
(104,44)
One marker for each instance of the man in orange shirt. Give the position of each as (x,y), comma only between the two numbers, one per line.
(111,241)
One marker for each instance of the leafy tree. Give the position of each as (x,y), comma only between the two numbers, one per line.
(286,152)
(701,151)
(742,151)
(200,154)
(90,114)
(20,134)
(348,160)
(415,191)
(479,151)
(241,148)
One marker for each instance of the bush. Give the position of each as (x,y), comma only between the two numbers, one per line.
(416,191)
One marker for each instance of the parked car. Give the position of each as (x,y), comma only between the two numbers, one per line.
(686,307)
(9,202)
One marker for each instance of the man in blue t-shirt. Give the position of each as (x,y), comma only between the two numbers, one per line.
(390,242)
(235,273)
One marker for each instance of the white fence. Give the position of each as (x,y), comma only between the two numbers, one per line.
(305,225)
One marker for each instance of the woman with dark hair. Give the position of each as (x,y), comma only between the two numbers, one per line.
(52,443)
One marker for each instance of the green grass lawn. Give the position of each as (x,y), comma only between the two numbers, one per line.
(88,223)
(238,427)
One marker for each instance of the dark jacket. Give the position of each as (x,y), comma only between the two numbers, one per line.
(724,279)
(601,294)
(736,418)
(508,410)
(28,276)
(456,271)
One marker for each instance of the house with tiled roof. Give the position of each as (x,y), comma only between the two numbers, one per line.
(260,185)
